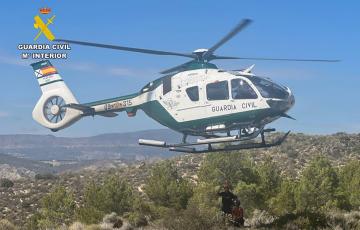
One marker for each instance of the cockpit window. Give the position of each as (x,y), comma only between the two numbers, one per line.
(269,89)
(166,85)
(240,89)
(217,91)
(193,93)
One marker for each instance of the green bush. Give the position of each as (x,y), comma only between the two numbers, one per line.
(166,188)
(269,178)
(192,218)
(45,176)
(115,195)
(6,183)
(250,197)
(317,186)
(284,201)
(57,208)
(230,166)
(137,219)
(350,183)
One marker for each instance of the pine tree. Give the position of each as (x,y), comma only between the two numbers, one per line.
(317,186)
(166,188)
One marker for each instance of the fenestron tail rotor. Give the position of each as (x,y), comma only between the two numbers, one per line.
(199,55)
(55,109)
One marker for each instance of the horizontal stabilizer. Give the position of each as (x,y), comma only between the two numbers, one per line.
(83,108)
(108,114)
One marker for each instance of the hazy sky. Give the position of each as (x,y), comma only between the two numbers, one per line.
(327,94)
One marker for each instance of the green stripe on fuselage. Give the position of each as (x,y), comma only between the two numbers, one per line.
(157,112)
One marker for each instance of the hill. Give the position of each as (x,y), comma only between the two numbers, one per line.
(20,201)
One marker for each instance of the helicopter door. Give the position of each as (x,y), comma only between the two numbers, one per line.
(243,95)
(191,108)
(217,94)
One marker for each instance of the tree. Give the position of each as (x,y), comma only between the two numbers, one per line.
(118,195)
(115,195)
(166,188)
(231,166)
(317,186)
(349,184)
(269,178)
(257,193)
(250,196)
(6,183)
(92,210)
(57,208)
(284,202)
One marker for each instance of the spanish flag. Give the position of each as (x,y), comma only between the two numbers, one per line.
(48,70)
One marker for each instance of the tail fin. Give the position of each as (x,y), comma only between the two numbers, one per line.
(51,110)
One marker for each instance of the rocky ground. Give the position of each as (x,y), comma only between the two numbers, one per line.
(19,202)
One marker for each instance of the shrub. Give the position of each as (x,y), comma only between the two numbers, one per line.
(57,208)
(6,183)
(192,218)
(269,178)
(231,166)
(284,201)
(350,183)
(6,225)
(166,188)
(45,176)
(137,219)
(317,186)
(115,195)
(77,226)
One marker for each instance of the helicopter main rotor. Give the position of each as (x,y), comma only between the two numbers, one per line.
(199,55)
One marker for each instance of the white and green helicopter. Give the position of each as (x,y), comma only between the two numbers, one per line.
(195,98)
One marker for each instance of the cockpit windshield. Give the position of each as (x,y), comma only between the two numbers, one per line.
(269,89)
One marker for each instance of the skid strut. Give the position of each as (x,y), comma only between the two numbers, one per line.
(190,147)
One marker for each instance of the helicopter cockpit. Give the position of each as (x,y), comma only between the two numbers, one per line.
(269,89)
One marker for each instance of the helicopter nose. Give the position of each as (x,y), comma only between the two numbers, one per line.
(290,99)
(282,105)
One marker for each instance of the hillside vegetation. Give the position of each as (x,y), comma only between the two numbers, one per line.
(308,182)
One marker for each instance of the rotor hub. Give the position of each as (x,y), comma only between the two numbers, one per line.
(200,51)
(55,109)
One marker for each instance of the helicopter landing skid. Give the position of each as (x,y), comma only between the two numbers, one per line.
(187,147)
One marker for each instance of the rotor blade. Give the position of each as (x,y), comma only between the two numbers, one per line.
(178,67)
(215,57)
(232,33)
(288,59)
(130,49)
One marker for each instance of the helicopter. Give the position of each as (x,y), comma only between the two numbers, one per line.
(227,109)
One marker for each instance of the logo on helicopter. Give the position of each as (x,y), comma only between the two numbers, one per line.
(244,105)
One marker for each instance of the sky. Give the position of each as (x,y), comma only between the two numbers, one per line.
(327,94)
